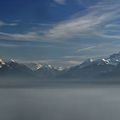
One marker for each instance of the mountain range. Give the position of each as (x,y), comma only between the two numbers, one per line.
(99,70)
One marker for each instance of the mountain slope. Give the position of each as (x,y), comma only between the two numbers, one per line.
(92,70)
(106,68)
(47,71)
(14,69)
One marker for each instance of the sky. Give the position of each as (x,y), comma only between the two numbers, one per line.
(59,32)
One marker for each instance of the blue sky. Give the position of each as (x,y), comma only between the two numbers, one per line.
(59,32)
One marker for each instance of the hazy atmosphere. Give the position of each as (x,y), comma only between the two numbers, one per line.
(83,103)
(59,59)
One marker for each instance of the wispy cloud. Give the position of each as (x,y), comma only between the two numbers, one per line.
(86,49)
(109,36)
(30,36)
(91,22)
(54,62)
(2,23)
(9,45)
(74,62)
(94,19)
(111,31)
(62,2)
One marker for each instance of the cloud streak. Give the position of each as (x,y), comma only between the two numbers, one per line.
(2,24)
(94,19)
(86,49)
(90,22)
(30,36)
(61,2)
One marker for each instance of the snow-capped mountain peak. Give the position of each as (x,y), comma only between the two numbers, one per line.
(60,68)
(114,59)
(86,63)
(50,66)
(101,61)
(39,66)
(12,60)
(1,63)
(46,66)
(105,60)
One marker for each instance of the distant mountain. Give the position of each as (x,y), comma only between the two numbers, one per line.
(14,69)
(89,69)
(106,68)
(47,71)
(92,70)
(114,59)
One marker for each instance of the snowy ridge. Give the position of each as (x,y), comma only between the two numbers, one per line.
(88,68)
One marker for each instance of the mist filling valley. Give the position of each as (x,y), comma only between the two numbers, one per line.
(76,102)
